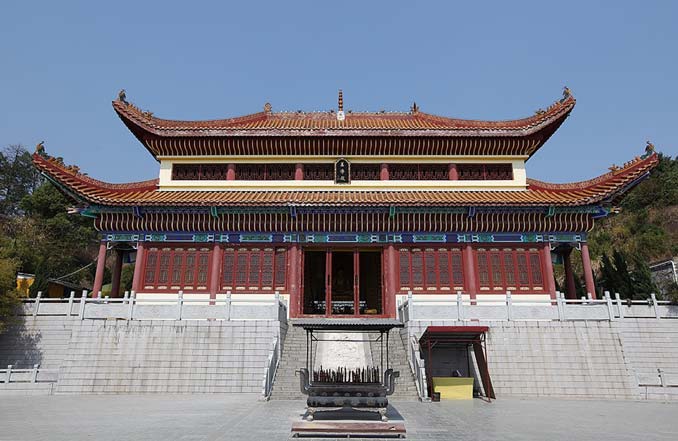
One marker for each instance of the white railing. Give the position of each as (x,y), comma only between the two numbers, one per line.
(33,375)
(508,308)
(129,307)
(418,368)
(271,367)
(661,378)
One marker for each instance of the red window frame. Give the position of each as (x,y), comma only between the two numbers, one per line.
(518,269)
(256,268)
(431,269)
(166,269)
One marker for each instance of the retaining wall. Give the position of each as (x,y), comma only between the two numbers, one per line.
(577,359)
(143,356)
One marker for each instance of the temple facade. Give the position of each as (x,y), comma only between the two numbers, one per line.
(341,212)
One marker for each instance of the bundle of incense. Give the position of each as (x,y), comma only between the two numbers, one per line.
(368,374)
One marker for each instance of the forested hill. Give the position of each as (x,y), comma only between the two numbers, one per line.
(647,225)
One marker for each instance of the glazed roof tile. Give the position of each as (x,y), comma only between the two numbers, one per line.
(363,123)
(606,187)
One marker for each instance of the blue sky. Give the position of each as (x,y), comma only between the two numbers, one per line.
(63,62)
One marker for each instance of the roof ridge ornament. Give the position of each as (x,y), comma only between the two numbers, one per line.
(40,149)
(268,108)
(340,114)
(414,109)
(567,93)
(649,149)
(122,96)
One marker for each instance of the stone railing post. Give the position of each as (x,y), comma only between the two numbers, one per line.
(460,305)
(71,298)
(662,378)
(560,306)
(125,297)
(620,307)
(509,306)
(180,304)
(99,295)
(8,374)
(610,310)
(34,374)
(130,305)
(228,305)
(653,299)
(37,303)
(276,309)
(83,299)
(410,306)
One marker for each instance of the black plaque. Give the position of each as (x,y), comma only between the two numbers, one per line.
(342,171)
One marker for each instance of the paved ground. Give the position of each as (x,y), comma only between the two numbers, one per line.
(242,417)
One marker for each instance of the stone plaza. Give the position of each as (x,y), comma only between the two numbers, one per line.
(245,417)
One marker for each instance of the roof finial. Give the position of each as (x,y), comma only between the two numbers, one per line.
(267,108)
(649,149)
(40,148)
(340,114)
(414,108)
(122,96)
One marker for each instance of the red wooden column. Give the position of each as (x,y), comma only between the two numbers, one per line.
(299,172)
(293,278)
(383,172)
(549,280)
(117,270)
(101,266)
(139,263)
(454,176)
(470,277)
(230,172)
(569,275)
(588,271)
(215,273)
(391,281)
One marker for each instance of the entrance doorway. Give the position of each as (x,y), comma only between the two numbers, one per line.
(345,282)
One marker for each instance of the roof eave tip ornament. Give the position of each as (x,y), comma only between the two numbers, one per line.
(567,93)
(122,96)
(340,113)
(649,149)
(40,149)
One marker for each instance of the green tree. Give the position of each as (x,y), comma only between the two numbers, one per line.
(9,297)
(53,243)
(18,178)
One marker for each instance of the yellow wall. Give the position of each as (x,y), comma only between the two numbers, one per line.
(518,183)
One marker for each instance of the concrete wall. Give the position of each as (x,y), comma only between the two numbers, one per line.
(581,359)
(152,356)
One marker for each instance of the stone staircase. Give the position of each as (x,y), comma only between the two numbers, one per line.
(406,388)
(286,384)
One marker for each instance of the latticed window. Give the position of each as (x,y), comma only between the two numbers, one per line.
(485,172)
(171,269)
(264,172)
(254,269)
(319,172)
(199,172)
(509,269)
(418,172)
(365,172)
(431,269)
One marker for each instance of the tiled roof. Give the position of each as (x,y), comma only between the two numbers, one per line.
(538,193)
(327,123)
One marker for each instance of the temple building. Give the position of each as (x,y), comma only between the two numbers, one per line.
(341,212)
